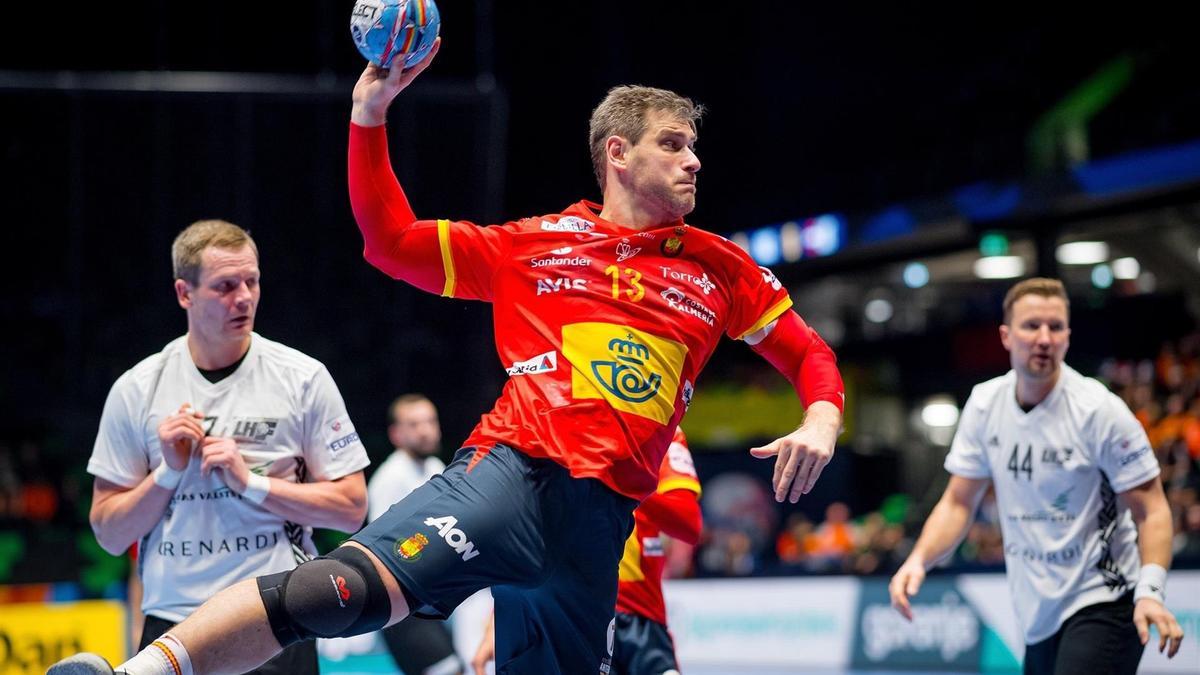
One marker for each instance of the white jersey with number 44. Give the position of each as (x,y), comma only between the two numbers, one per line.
(1057,471)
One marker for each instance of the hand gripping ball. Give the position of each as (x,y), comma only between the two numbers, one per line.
(386,29)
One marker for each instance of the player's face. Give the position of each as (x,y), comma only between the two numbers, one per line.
(1038,336)
(663,165)
(222,304)
(416,428)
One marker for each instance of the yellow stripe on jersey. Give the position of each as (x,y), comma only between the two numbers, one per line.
(775,312)
(679,483)
(630,568)
(447,257)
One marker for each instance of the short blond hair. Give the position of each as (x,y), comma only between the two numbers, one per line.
(1047,288)
(189,246)
(623,113)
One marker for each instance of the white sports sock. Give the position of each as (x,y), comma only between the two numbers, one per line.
(164,656)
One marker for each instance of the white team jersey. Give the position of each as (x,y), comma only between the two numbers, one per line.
(399,475)
(1057,470)
(289,421)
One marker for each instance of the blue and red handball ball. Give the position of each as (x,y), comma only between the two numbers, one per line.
(384,30)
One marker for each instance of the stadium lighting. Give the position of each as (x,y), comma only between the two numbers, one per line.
(1000,267)
(878,310)
(1082,253)
(1126,268)
(940,412)
(916,275)
(1102,276)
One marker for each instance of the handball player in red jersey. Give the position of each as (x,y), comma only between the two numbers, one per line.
(605,314)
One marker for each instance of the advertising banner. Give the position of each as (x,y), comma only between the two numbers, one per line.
(762,622)
(35,635)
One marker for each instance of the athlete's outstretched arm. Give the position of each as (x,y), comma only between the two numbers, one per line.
(809,364)
(1148,505)
(946,526)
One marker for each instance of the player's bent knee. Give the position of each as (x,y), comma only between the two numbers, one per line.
(338,595)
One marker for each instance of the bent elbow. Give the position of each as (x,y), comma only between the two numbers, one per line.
(111,544)
(357,513)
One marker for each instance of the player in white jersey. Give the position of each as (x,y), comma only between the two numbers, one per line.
(220,453)
(1086,525)
(419,647)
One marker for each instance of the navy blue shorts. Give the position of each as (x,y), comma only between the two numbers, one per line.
(643,647)
(546,543)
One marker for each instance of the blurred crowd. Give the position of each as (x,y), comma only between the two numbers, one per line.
(1164,394)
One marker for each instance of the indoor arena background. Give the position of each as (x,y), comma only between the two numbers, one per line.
(895,169)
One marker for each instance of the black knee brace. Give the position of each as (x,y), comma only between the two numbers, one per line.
(338,595)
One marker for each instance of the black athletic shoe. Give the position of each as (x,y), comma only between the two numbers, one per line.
(85,663)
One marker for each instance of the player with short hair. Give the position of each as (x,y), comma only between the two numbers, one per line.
(419,647)
(219,454)
(1086,526)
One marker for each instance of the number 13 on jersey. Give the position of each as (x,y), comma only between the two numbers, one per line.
(635,292)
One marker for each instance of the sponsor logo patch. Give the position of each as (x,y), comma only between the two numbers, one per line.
(568,224)
(542,363)
(678,301)
(555,285)
(702,282)
(652,547)
(410,549)
(634,371)
(254,429)
(625,251)
(770,279)
(680,460)
(339,587)
(1057,456)
(557,260)
(341,443)
(453,536)
(1066,556)
(1133,456)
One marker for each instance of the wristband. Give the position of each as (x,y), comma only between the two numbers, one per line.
(257,488)
(1152,583)
(166,477)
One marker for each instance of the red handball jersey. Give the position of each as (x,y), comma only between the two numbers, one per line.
(639,590)
(603,329)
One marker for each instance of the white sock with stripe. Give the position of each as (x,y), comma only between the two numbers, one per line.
(164,656)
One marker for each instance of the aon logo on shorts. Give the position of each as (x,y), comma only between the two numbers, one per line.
(455,537)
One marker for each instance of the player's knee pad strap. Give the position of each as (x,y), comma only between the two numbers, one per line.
(338,595)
